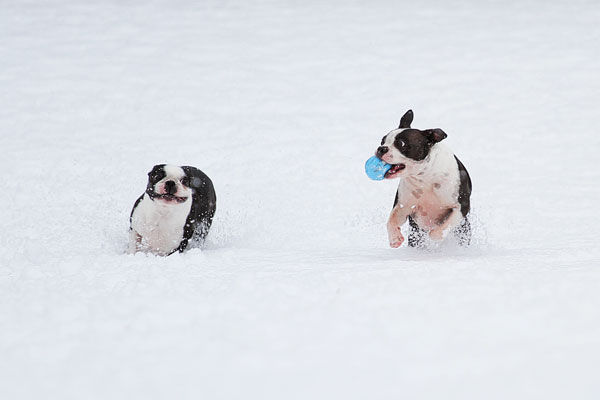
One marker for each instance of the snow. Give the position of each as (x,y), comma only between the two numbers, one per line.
(297,294)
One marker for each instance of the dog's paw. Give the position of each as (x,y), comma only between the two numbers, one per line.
(397,244)
(436,234)
(396,238)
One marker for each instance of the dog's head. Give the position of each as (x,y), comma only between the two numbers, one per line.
(405,148)
(168,184)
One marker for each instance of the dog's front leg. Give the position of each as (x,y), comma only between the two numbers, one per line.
(439,232)
(134,242)
(397,219)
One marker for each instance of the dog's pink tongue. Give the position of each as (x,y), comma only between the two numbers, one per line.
(394,170)
(398,167)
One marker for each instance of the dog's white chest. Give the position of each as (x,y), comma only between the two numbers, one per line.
(432,190)
(160,225)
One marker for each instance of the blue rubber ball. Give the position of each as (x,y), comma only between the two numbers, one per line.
(376,168)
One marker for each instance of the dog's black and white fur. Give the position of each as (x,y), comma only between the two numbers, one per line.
(177,207)
(435,188)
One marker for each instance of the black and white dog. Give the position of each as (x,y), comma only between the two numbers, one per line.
(177,207)
(435,188)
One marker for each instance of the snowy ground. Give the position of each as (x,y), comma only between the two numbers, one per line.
(297,294)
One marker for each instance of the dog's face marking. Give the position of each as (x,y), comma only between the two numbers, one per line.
(168,184)
(406,147)
(407,143)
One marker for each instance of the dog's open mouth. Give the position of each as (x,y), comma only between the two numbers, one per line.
(170,198)
(394,170)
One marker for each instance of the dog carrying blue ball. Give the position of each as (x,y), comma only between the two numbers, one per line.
(376,168)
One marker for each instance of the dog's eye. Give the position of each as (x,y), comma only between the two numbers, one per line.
(185,181)
(155,176)
(383,141)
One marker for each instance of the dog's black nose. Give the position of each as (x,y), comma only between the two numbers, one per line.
(381,150)
(170,187)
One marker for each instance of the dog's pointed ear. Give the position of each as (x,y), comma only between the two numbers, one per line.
(195,182)
(153,170)
(435,135)
(406,120)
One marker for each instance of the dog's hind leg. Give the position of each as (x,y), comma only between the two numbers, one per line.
(416,237)
(463,232)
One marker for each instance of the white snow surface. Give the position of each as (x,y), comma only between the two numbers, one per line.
(297,294)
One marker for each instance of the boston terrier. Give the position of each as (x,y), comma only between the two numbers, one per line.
(435,188)
(177,207)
